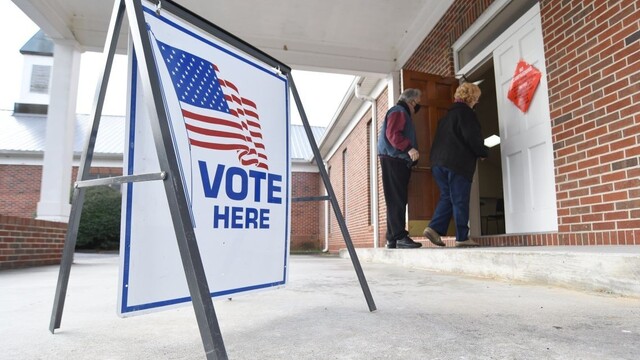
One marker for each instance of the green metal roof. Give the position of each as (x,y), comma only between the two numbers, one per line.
(39,44)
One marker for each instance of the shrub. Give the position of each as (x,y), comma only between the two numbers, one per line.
(99,227)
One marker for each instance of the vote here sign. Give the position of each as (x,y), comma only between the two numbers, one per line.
(229,121)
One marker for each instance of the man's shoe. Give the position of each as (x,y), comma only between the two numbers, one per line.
(407,243)
(391,244)
(433,236)
(467,243)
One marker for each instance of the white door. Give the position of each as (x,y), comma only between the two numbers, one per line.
(526,144)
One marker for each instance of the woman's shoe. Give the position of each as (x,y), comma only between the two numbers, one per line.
(467,243)
(433,236)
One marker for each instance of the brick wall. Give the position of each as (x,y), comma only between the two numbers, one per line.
(434,55)
(29,242)
(20,190)
(382,105)
(20,193)
(305,216)
(20,187)
(358,177)
(357,188)
(593,63)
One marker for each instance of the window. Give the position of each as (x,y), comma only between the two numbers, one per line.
(344,184)
(506,13)
(369,179)
(40,76)
(329,210)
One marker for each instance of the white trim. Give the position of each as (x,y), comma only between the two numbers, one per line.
(487,52)
(322,58)
(25,158)
(50,20)
(484,19)
(97,162)
(394,85)
(348,97)
(304,166)
(348,129)
(353,122)
(36,158)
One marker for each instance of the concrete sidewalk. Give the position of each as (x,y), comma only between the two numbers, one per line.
(322,314)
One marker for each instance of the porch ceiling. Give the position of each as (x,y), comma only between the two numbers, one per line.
(360,37)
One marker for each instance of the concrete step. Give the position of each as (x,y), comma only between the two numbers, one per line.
(605,269)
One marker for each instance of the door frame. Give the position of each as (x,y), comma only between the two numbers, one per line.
(487,53)
(476,63)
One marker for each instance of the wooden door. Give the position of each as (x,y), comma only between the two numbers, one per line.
(437,97)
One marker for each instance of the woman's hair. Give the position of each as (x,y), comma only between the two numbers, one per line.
(410,94)
(467,92)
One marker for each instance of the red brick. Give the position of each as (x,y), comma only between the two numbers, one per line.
(611,157)
(630,224)
(616,215)
(602,207)
(616,196)
(614,176)
(29,242)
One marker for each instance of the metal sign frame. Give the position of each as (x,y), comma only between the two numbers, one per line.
(178,204)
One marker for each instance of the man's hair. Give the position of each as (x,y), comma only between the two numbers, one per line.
(410,94)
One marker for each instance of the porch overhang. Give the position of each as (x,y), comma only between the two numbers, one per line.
(358,37)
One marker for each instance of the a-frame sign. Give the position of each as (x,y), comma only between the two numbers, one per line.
(170,43)
(225,111)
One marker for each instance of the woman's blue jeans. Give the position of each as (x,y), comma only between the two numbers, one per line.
(455,191)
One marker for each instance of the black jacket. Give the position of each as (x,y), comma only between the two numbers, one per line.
(458,142)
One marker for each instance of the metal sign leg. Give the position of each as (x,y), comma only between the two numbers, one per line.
(85,163)
(332,198)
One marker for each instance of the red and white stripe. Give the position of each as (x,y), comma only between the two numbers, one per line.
(239,130)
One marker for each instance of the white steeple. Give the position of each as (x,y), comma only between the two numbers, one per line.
(36,75)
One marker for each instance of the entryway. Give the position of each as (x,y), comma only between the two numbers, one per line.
(490,196)
(514,189)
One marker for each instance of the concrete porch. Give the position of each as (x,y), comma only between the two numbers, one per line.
(604,269)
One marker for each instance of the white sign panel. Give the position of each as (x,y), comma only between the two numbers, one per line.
(229,122)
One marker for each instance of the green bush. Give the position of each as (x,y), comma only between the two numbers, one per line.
(100,220)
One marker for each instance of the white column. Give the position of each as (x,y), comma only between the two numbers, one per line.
(394,87)
(55,188)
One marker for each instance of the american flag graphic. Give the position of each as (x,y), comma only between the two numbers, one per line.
(215,115)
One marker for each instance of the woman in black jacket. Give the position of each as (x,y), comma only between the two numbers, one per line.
(456,147)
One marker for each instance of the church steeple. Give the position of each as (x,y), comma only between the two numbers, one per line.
(36,75)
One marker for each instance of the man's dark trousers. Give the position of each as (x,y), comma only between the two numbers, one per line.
(395,183)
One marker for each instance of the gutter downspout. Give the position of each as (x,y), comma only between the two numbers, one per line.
(326,219)
(373,161)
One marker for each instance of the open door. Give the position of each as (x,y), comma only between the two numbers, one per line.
(437,96)
(526,142)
